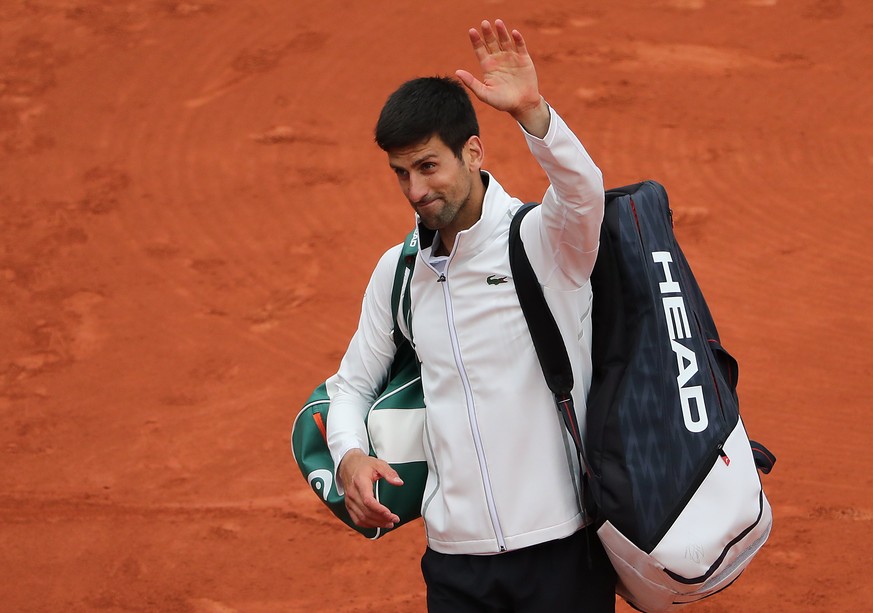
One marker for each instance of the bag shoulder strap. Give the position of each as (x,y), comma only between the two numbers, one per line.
(544,331)
(402,277)
(545,334)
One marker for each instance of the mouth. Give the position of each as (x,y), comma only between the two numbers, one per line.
(420,206)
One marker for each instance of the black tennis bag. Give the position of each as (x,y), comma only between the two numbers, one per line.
(672,476)
(672,471)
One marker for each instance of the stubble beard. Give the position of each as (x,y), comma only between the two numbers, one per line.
(439,219)
(447,213)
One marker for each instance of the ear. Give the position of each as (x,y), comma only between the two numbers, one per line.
(474,153)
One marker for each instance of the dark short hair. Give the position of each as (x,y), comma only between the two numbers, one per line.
(423,107)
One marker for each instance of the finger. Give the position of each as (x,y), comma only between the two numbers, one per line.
(520,45)
(478,44)
(378,511)
(356,514)
(364,497)
(389,474)
(368,518)
(490,37)
(475,85)
(465,77)
(367,512)
(365,518)
(503,38)
(355,511)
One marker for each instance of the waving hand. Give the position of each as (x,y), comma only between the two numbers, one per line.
(509,79)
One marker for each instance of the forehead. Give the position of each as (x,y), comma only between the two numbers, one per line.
(433,147)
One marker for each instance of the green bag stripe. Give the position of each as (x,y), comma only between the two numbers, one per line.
(393,392)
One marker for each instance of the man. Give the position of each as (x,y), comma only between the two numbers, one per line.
(505,528)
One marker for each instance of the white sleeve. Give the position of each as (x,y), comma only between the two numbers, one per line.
(561,237)
(364,367)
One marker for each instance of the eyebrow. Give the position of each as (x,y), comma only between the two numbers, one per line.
(416,162)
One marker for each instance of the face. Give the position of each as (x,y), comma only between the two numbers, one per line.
(445,191)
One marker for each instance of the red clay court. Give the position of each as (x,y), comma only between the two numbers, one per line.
(190,207)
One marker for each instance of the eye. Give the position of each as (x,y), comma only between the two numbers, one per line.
(428,166)
(401,173)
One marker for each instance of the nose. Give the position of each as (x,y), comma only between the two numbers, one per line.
(417,188)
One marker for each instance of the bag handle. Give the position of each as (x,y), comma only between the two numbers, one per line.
(402,277)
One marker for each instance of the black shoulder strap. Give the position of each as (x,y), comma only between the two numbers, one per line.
(544,332)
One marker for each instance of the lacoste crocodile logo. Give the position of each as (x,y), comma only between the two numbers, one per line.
(495,280)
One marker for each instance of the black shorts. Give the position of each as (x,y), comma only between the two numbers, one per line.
(571,574)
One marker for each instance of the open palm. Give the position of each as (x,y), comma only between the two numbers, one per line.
(509,80)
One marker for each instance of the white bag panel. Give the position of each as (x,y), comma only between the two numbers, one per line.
(396,434)
(726,503)
(735,562)
(640,579)
(643,582)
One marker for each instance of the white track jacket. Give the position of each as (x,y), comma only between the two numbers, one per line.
(502,472)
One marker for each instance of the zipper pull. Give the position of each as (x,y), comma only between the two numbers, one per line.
(724,456)
(442,279)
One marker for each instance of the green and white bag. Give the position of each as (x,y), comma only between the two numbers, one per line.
(395,424)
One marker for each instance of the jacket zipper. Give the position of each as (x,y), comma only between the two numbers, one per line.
(471,414)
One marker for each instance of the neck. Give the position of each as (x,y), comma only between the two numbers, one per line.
(440,249)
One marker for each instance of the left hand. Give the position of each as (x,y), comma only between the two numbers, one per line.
(509,80)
